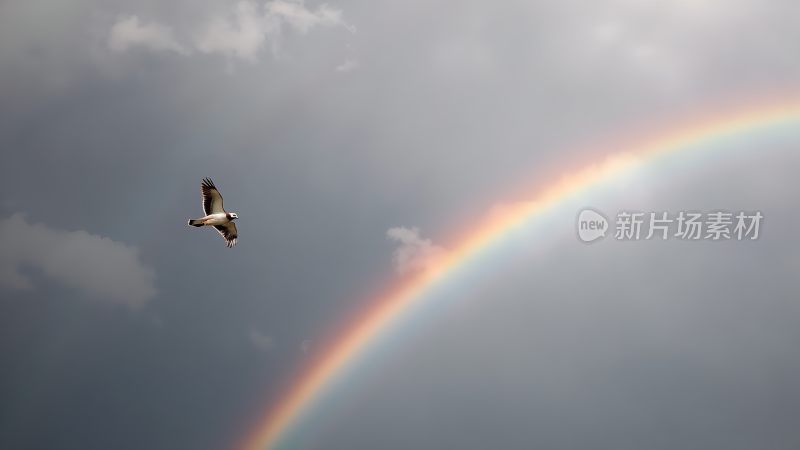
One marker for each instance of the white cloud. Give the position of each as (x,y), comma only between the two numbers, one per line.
(127,32)
(347,66)
(244,32)
(414,253)
(295,13)
(261,341)
(105,269)
(241,32)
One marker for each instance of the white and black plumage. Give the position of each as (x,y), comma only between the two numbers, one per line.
(216,216)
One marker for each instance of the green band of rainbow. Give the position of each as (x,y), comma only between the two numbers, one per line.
(388,309)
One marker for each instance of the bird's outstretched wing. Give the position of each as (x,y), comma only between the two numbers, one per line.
(212,200)
(229,233)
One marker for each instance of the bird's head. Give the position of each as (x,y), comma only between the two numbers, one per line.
(234,216)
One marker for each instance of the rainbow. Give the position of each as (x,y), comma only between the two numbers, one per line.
(388,309)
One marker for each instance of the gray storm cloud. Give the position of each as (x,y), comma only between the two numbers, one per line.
(104,269)
(432,110)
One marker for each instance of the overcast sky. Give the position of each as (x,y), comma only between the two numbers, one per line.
(354,139)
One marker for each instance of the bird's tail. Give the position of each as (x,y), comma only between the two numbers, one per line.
(195,223)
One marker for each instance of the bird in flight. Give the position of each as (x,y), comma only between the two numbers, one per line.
(216,216)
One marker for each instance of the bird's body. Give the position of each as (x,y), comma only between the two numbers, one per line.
(216,216)
(211,220)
